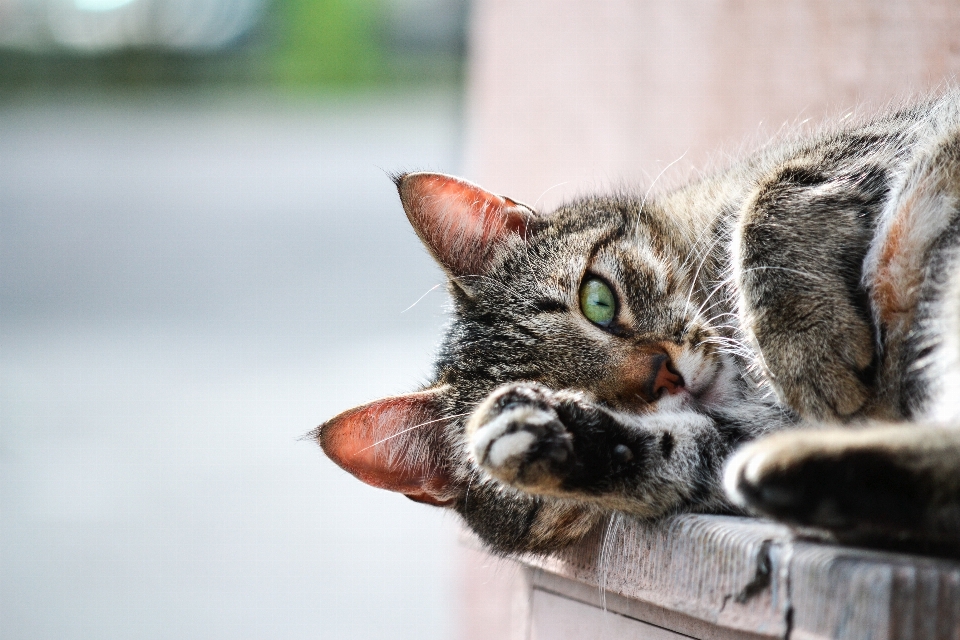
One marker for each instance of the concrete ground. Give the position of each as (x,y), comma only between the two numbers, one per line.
(187,285)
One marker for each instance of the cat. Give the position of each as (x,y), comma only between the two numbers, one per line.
(781,338)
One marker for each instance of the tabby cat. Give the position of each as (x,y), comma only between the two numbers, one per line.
(617,353)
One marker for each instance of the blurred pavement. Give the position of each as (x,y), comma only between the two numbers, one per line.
(186,287)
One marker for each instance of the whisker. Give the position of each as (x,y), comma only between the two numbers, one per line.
(796,271)
(722,284)
(559,184)
(643,201)
(408,429)
(422,297)
(693,281)
(606,550)
(697,244)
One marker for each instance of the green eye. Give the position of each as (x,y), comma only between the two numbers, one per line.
(597,302)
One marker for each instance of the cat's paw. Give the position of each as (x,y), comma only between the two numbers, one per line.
(822,375)
(843,480)
(517,437)
(839,390)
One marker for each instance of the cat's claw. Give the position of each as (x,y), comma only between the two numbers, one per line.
(516,437)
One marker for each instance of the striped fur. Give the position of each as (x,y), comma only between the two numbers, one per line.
(812,289)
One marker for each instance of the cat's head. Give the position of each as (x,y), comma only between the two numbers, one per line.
(597,296)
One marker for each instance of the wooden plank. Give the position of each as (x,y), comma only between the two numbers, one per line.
(722,571)
(856,594)
(557,618)
(726,578)
(664,618)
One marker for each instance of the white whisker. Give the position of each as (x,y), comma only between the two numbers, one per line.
(408,429)
(422,297)
(643,201)
(537,201)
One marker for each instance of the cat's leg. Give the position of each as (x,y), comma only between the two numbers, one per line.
(912,272)
(884,482)
(510,521)
(893,482)
(797,253)
(561,444)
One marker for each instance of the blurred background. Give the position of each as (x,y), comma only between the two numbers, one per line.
(201,259)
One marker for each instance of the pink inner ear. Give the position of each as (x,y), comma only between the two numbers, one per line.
(396,444)
(461,223)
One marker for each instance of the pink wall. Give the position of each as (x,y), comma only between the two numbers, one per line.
(583,93)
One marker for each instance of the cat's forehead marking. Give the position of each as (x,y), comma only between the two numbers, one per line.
(629,259)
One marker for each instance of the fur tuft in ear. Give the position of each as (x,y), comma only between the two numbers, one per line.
(460,223)
(394,443)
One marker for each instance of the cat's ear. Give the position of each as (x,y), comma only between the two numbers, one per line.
(394,443)
(460,223)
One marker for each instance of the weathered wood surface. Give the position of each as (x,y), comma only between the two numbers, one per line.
(854,594)
(718,577)
(720,570)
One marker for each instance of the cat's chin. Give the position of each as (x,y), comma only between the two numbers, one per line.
(677,402)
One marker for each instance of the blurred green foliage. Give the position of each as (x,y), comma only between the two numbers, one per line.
(329,42)
(297,44)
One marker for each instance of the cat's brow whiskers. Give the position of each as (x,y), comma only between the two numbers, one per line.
(697,245)
(693,282)
(408,429)
(422,297)
(719,286)
(643,201)
(796,271)
(537,201)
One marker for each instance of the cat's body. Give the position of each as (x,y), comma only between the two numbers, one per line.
(613,354)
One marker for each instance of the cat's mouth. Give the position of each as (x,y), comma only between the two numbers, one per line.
(708,379)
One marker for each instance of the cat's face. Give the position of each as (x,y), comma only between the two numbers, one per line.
(595,297)
(590,299)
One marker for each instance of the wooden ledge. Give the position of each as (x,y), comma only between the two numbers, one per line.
(721,577)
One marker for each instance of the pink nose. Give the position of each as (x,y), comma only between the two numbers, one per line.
(668,379)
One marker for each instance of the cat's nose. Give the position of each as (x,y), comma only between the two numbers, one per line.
(668,380)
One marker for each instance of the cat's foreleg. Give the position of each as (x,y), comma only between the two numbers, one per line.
(562,444)
(890,482)
(797,254)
